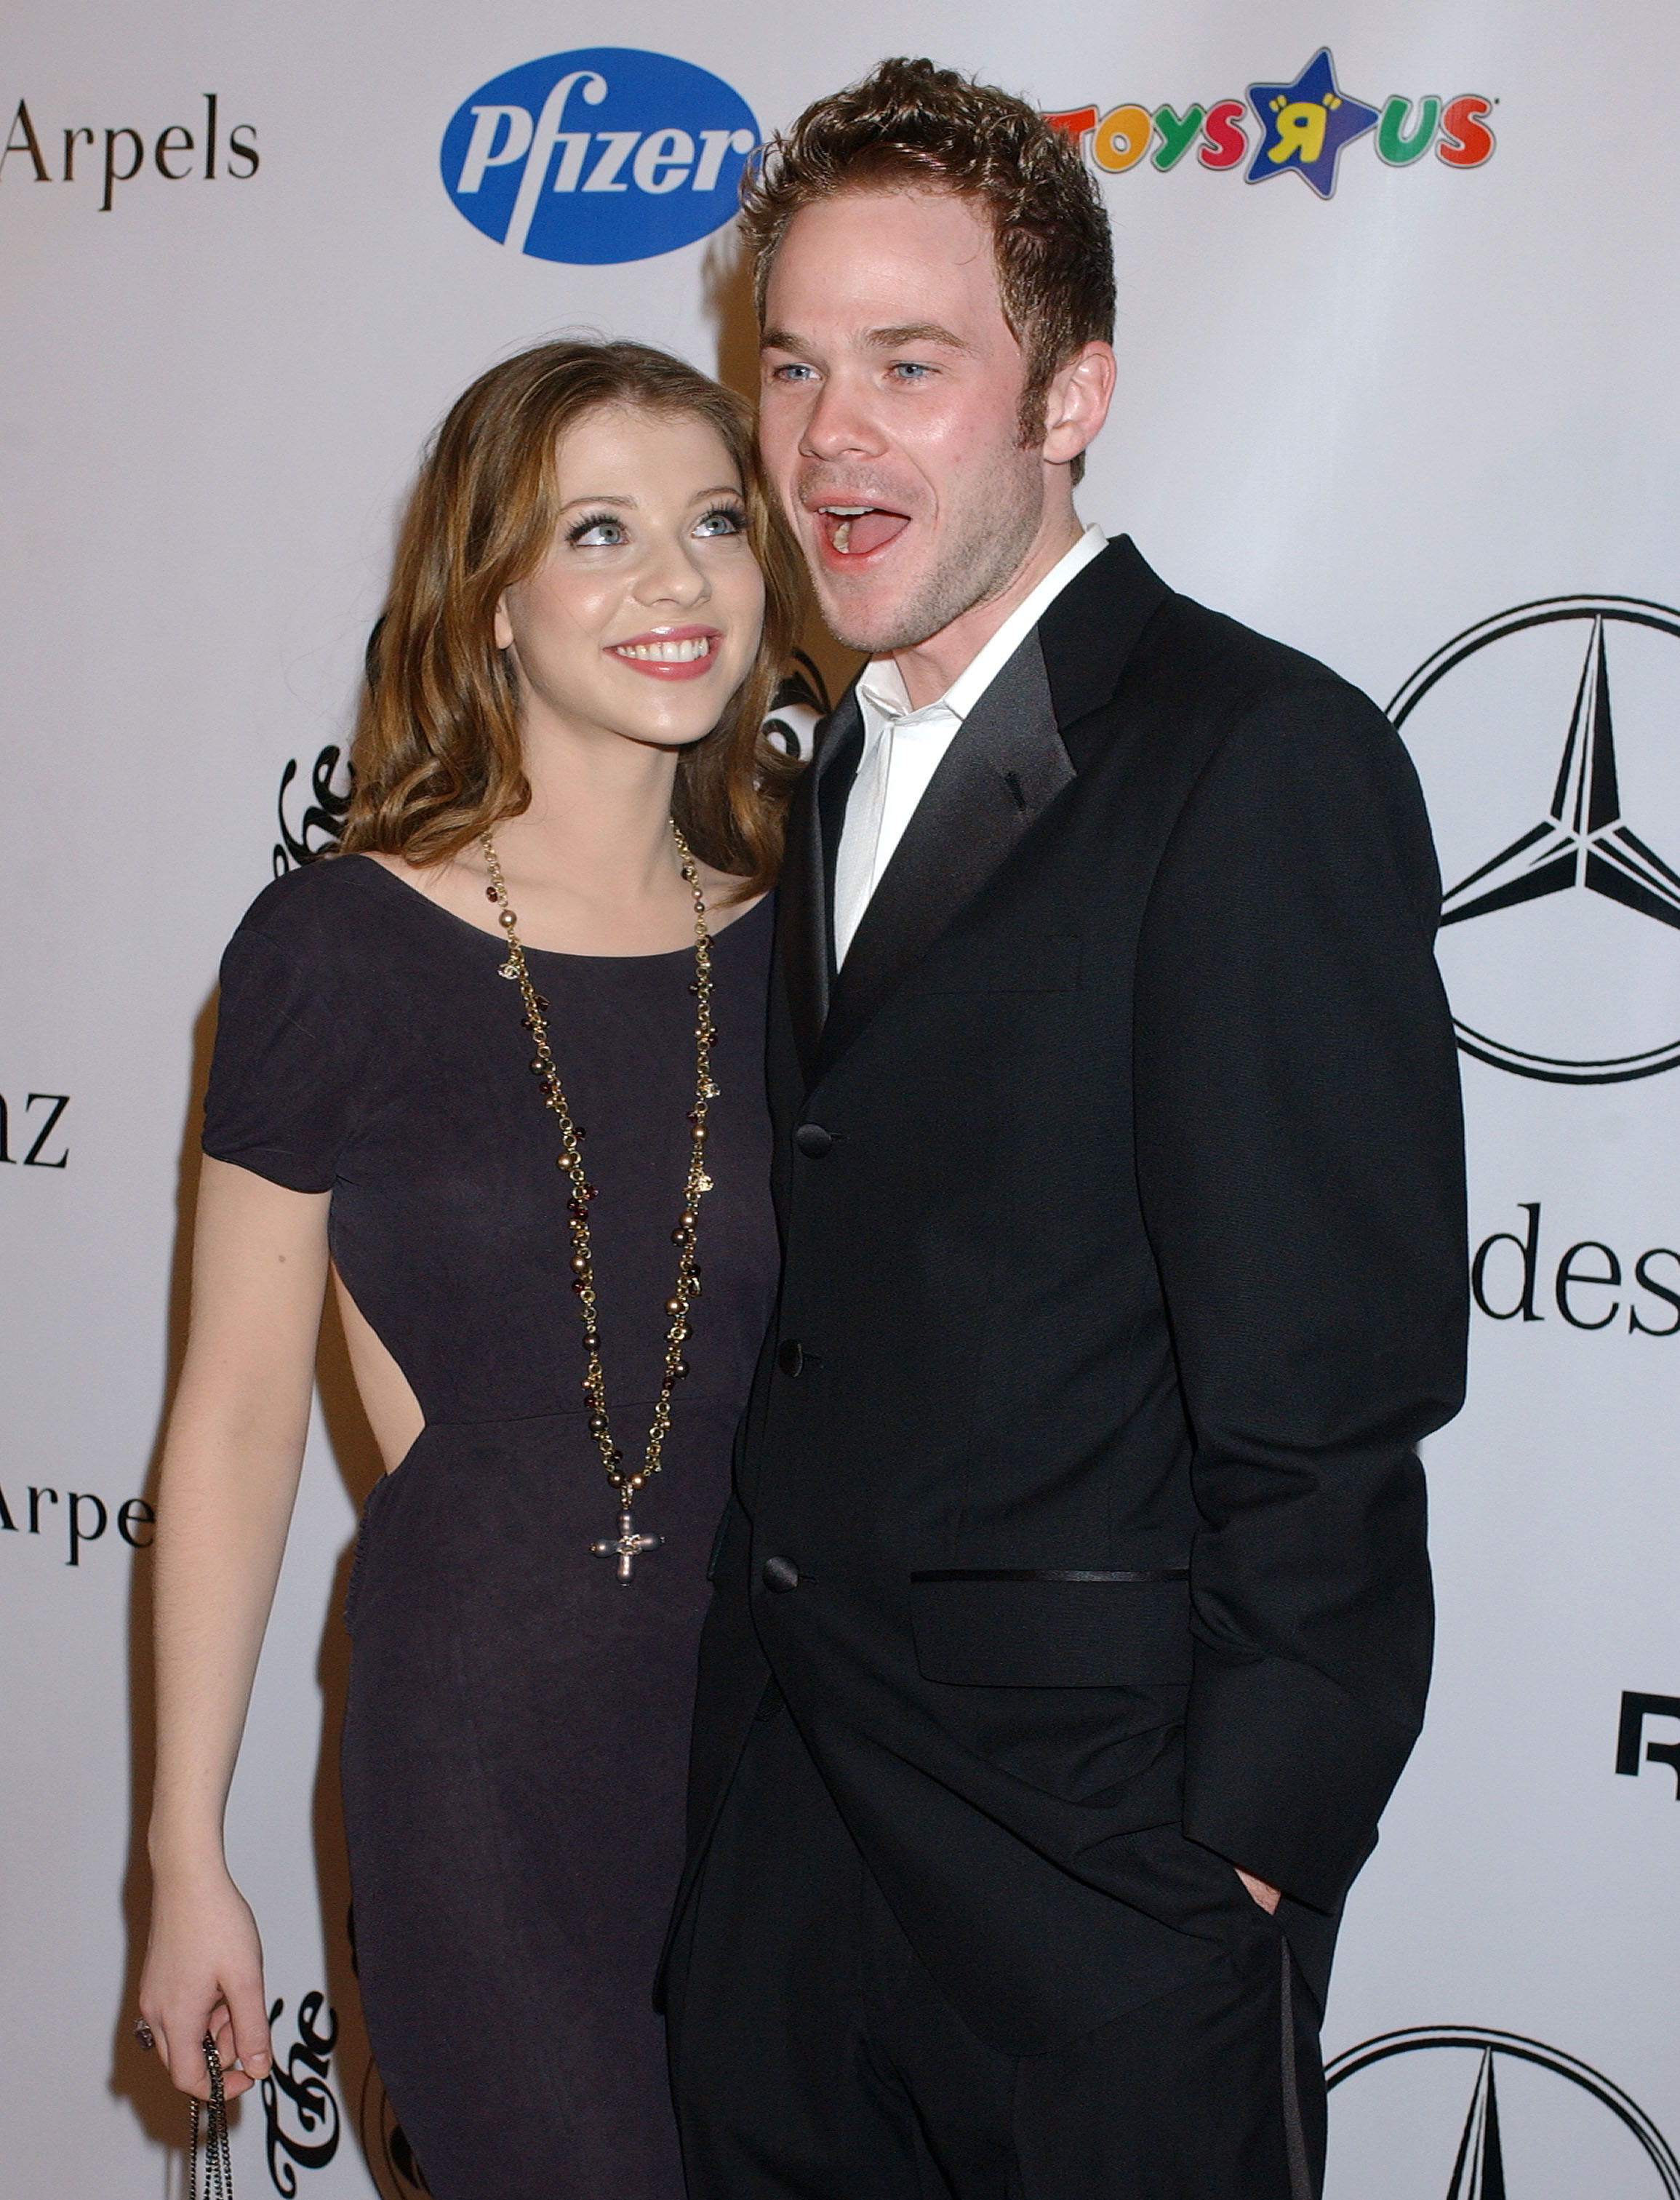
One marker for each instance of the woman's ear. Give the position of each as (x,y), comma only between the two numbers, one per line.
(504,625)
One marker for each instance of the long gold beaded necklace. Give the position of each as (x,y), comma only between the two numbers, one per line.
(627,1546)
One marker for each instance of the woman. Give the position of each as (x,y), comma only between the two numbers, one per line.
(565,820)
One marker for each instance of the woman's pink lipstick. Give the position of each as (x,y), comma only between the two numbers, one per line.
(669,652)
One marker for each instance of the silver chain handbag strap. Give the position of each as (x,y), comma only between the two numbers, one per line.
(218,2161)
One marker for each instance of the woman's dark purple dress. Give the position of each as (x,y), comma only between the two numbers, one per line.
(516,1741)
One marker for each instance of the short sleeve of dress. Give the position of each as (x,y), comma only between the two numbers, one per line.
(282,1094)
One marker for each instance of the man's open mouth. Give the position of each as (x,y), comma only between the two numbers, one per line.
(854,530)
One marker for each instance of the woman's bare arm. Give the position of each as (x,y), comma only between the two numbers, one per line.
(231,1466)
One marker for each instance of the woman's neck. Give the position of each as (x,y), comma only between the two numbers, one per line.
(590,864)
(597,828)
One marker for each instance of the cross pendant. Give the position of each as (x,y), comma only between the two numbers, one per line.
(627,1547)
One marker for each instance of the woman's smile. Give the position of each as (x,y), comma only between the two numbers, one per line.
(677,652)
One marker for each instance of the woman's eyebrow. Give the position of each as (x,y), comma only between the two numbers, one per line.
(629,503)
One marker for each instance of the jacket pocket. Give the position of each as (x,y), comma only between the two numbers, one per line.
(995,1630)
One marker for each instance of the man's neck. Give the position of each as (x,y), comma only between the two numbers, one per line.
(928,667)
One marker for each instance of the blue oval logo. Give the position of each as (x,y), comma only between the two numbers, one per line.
(602,154)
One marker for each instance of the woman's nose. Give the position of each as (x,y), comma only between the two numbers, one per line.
(672,575)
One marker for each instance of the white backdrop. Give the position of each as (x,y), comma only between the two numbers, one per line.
(1368,424)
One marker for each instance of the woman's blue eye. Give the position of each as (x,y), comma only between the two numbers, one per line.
(598,534)
(724,519)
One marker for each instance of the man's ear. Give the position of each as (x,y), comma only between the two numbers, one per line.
(1077,401)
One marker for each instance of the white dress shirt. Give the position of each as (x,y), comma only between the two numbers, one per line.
(903,748)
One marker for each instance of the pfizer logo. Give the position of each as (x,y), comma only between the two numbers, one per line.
(602,154)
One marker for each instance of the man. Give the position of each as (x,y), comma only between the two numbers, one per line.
(1072,1621)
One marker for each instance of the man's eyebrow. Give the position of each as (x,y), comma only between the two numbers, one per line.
(906,332)
(916,332)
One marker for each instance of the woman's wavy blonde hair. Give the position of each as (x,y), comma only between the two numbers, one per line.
(437,758)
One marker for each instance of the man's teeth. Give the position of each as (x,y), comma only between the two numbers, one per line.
(844,514)
(666,652)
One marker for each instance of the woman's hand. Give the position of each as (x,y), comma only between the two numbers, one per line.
(203,1973)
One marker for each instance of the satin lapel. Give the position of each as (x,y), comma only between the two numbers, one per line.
(1003,766)
(805,897)
(1088,635)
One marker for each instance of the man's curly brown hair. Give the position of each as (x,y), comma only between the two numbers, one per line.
(909,125)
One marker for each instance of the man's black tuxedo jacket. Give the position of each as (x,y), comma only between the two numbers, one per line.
(1119,1180)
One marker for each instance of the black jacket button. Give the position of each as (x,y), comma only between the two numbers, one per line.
(813,1141)
(780,1575)
(790,1356)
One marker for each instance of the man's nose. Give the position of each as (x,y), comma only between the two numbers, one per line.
(841,425)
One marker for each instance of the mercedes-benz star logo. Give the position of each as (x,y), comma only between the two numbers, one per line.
(1583,842)
(1573,2131)
(1567,1001)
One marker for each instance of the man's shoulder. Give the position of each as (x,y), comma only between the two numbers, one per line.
(1273,717)
(1119,633)
(1223,654)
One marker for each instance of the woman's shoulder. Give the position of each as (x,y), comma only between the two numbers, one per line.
(743,946)
(317,910)
(757,920)
(298,1021)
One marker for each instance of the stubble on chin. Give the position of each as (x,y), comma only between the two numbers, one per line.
(979,562)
